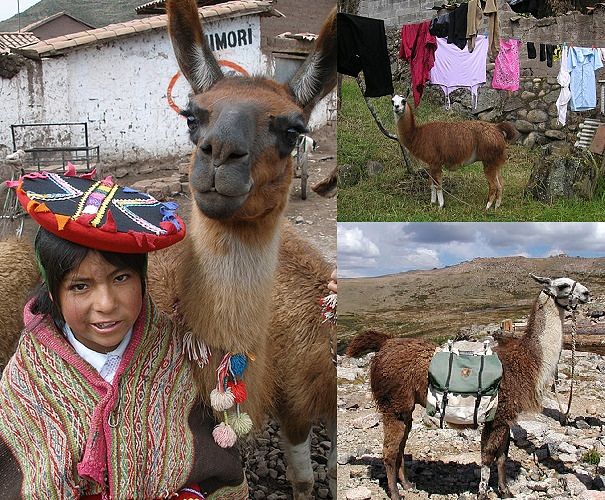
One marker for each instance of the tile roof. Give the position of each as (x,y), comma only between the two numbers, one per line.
(14,40)
(159,6)
(48,19)
(64,43)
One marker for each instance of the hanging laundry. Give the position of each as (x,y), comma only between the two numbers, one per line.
(362,46)
(440,26)
(582,64)
(473,22)
(556,54)
(457,26)
(546,53)
(506,72)
(531,50)
(455,68)
(563,79)
(418,48)
(493,28)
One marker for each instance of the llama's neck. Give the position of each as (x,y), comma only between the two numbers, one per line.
(227,282)
(544,338)
(406,126)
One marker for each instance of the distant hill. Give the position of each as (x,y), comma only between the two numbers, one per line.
(98,13)
(439,302)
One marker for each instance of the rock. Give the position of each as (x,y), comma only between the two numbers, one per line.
(359,493)
(573,484)
(524,126)
(537,116)
(349,175)
(568,458)
(299,219)
(555,134)
(367,421)
(596,310)
(593,495)
(374,167)
(531,428)
(567,448)
(349,374)
(120,173)
(526,96)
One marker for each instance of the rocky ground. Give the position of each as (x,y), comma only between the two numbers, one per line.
(546,460)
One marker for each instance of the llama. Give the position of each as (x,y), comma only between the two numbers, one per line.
(18,275)
(243,280)
(399,380)
(454,144)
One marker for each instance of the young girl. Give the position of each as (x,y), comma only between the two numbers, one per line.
(98,401)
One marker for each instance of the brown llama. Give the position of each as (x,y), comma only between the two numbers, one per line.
(399,380)
(18,275)
(455,144)
(244,281)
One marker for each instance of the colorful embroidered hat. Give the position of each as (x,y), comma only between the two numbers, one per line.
(98,214)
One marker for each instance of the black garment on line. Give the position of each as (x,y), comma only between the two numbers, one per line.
(362,46)
(531,50)
(440,26)
(457,27)
(546,52)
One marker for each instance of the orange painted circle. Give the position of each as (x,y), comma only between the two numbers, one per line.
(176,76)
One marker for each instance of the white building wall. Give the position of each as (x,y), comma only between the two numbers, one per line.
(120,88)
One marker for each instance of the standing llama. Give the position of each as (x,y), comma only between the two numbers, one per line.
(399,380)
(243,280)
(454,144)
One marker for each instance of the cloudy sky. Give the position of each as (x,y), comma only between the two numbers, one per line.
(375,249)
(8,8)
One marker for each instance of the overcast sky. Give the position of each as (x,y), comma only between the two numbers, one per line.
(8,8)
(375,249)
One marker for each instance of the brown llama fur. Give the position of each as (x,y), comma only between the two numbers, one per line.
(451,145)
(18,275)
(399,380)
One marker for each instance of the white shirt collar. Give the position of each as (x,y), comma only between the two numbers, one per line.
(98,359)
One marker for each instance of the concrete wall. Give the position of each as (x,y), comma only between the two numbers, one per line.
(121,89)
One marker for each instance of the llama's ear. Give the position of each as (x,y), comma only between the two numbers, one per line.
(317,75)
(541,280)
(190,48)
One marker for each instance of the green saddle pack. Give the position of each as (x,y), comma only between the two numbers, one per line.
(464,378)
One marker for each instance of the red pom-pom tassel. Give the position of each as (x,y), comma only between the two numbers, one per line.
(238,389)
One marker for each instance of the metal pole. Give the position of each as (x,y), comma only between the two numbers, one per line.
(19,15)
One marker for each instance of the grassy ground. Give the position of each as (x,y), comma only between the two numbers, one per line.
(394,195)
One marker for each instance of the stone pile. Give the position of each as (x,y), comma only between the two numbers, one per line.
(266,469)
(546,460)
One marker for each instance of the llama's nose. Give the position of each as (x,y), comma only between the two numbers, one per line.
(221,151)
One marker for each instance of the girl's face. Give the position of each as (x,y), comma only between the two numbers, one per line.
(100,302)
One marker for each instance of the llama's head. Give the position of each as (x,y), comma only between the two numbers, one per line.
(398,102)
(244,128)
(566,292)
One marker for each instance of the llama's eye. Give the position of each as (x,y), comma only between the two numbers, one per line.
(292,135)
(192,122)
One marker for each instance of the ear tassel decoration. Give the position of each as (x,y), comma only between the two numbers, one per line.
(328,308)
(230,391)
